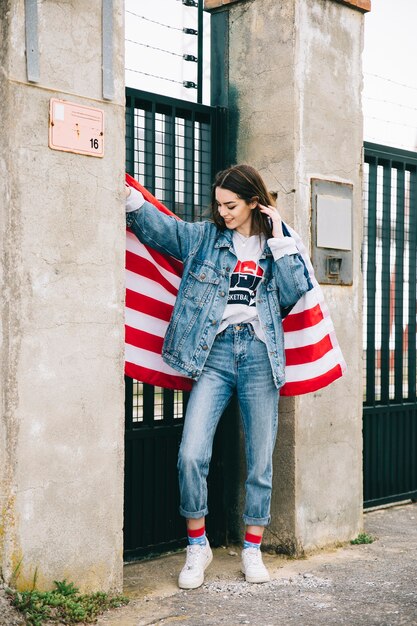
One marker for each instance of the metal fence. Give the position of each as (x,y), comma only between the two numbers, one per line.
(170,148)
(174,148)
(389,267)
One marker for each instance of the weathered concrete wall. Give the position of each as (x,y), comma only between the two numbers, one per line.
(295,83)
(62,240)
(329,441)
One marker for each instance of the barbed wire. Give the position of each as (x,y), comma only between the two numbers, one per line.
(403,106)
(171,80)
(188,84)
(147,19)
(145,45)
(379,119)
(389,80)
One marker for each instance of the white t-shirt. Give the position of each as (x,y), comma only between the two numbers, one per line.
(244,281)
(246,276)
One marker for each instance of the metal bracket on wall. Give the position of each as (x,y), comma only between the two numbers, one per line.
(32,41)
(108,75)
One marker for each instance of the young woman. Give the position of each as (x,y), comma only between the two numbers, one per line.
(241,275)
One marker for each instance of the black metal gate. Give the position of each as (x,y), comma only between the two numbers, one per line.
(174,148)
(389,267)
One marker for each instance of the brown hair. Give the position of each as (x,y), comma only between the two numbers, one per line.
(246,182)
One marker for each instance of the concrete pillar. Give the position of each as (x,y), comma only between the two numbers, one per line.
(292,79)
(62,242)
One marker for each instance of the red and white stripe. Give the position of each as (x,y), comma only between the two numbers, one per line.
(313,355)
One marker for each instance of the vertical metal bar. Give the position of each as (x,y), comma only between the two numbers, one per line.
(150,149)
(148,405)
(413,455)
(169,159)
(408,451)
(385,284)
(158,469)
(411,358)
(185,398)
(371,285)
(380,423)
(128,478)
(138,474)
(107,43)
(189,168)
(400,424)
(219,140)
(399,283)
(197,166)
(410,478)
(128,403)
(219,59)
(373,469)
(32,41)
(382,450)
(388,459)
(148,491)
(392,447)
(130,135)
(365,455)
(205,164)
(168,407)
(200,52)
(173,164)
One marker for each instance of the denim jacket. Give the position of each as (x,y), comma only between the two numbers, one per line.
(208,260)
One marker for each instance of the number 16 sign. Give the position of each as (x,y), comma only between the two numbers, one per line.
(76,128)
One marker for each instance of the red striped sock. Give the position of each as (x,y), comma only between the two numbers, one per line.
(197,535)
(252,541)
(196,532)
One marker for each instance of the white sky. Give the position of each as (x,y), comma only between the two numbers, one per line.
(390,73)
(389,62)
(172,16)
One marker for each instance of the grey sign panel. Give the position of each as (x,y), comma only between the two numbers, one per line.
(332,225)
(32,42)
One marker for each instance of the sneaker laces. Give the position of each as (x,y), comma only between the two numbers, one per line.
(194,553)
(253,556)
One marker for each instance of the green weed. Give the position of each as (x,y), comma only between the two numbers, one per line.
(363,538)
(63,604)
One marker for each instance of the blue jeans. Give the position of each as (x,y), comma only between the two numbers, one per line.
(238,361)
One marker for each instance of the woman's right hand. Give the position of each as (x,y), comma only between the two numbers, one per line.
(134,199)
(276,221)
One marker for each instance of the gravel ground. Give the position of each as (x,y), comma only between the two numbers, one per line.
(364,585)
(8,615)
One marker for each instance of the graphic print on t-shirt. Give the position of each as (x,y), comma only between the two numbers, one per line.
(244,282)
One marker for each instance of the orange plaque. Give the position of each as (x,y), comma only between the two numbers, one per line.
(76,128)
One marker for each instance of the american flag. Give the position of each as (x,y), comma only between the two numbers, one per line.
(313,356)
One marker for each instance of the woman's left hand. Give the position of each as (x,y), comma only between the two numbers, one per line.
(273,214)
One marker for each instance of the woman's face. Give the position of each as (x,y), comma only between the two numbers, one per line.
(237,213)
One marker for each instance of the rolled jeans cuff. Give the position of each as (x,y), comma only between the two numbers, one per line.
(256,521)
(195,515)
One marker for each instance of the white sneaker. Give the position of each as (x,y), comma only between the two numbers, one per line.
(253,567)
(198,559)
